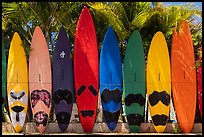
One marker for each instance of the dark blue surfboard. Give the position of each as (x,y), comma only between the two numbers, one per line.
(63,83)
(111,79)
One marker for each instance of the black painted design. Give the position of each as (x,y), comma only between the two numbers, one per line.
(108,95)
(160,119)
(43,95)
(156,96)
(41,118)
(81,90)
(87,113)
(93,90)
(60,95)
(63,117)
(15,96)
(17,109)
(135,119)
(111,117)
(132,98)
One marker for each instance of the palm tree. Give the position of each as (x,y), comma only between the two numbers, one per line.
(124,17)
(23,17)
(128,16)
(50,16)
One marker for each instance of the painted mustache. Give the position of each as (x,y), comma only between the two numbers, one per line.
(87,113)
(42,95)
(132,98)
(17,109)
(135,119)
(111,117)
(156,96)
(63,117)
(60,95)
(91,88)
(160,120)
(108,95)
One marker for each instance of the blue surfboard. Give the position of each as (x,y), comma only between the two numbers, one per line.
(63,80)
(111,79)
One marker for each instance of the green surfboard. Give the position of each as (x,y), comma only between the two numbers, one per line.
(3,77)
(134,88)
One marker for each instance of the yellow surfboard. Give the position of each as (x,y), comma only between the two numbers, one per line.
(159,82)
(17,83)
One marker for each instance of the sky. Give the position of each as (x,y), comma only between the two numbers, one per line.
(199,4)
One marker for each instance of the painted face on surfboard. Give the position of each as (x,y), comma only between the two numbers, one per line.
(134,85)
(86,72)
(63,83)
(159,82)
(40,80)
(17,102)
(111,79)
(17,83)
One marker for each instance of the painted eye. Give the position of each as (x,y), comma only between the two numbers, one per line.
(108,95)
(93,90)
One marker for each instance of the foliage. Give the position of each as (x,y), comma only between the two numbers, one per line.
(125,17)
(23,17)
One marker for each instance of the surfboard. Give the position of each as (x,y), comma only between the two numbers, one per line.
(40,81)
(111,79)
(63,84)
(158,81)
(183,76)
(199,80)
(86,71)
(17,83)
(3,91)
(134,85)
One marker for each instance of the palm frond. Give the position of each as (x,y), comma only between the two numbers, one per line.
(112,18)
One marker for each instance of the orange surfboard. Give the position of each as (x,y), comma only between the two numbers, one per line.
(40,80)
(183,77)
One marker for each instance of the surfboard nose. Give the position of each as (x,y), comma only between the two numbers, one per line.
(63,127)
(63,119)
(88,128)
(112,125)
(160,129)
(18,128)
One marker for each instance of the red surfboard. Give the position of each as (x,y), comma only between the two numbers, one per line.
(199,80)
(86,71)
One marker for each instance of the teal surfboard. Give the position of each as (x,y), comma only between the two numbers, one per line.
(134,82)
(3,91)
